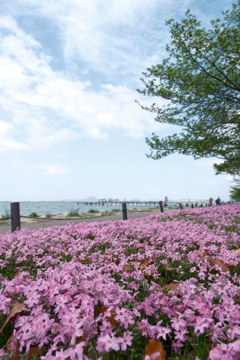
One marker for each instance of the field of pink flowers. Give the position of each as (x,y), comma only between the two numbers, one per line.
(162,287)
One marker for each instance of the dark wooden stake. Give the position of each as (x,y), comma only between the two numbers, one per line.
(15,216)
(124,210)
(161,206)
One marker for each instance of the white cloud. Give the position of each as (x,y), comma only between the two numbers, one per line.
(210,182)
(48,169)
(108,35)
(5,128)
(10,145)
(208,163)
(229,178)
(54,108)
(60,136)
(7,143)
(55,169)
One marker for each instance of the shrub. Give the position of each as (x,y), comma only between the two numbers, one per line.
(34,215)
(73,212)
(6,215)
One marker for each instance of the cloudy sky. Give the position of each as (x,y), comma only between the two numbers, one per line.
(69,123)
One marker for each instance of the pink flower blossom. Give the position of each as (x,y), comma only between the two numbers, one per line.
(220,352)
(126,340)
(107,343)
(74,352)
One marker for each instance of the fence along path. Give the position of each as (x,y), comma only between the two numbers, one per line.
(16,222)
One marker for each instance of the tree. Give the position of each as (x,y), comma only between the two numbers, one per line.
(235,193)
(200,79)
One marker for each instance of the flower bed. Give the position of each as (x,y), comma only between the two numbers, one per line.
(161,287)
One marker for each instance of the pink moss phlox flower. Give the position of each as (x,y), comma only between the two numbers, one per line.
(74,352)
(126,340)
(124,316)
(78,268)
(2,352)
(106,327)
(180,335)
(178,324)
(59,355)
(222,352)
(107,343)
(202,323)
(158,331)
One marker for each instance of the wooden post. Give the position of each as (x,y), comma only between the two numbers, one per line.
(15,216)
(124,210)
(161,206)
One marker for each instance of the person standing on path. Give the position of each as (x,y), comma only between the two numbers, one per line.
(210,201)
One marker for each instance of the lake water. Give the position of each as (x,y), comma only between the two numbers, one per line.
(54,207)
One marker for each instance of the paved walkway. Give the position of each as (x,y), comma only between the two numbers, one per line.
(5,225)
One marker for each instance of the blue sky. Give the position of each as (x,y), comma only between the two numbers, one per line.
(69,124)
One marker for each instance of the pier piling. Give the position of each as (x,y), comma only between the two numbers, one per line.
(161,206)
(15,216)
(124,210)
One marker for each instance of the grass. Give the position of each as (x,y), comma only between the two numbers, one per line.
(73,212)
(34,215)
(6,215)
(92,211)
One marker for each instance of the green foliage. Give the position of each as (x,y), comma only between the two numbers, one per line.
(133,352)
(235,193)
(66,258)
(92,211)
(6,215)
(200,81)
(34,215)
(48,216)
(73,212)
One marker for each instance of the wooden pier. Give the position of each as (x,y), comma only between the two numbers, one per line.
(103,202)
